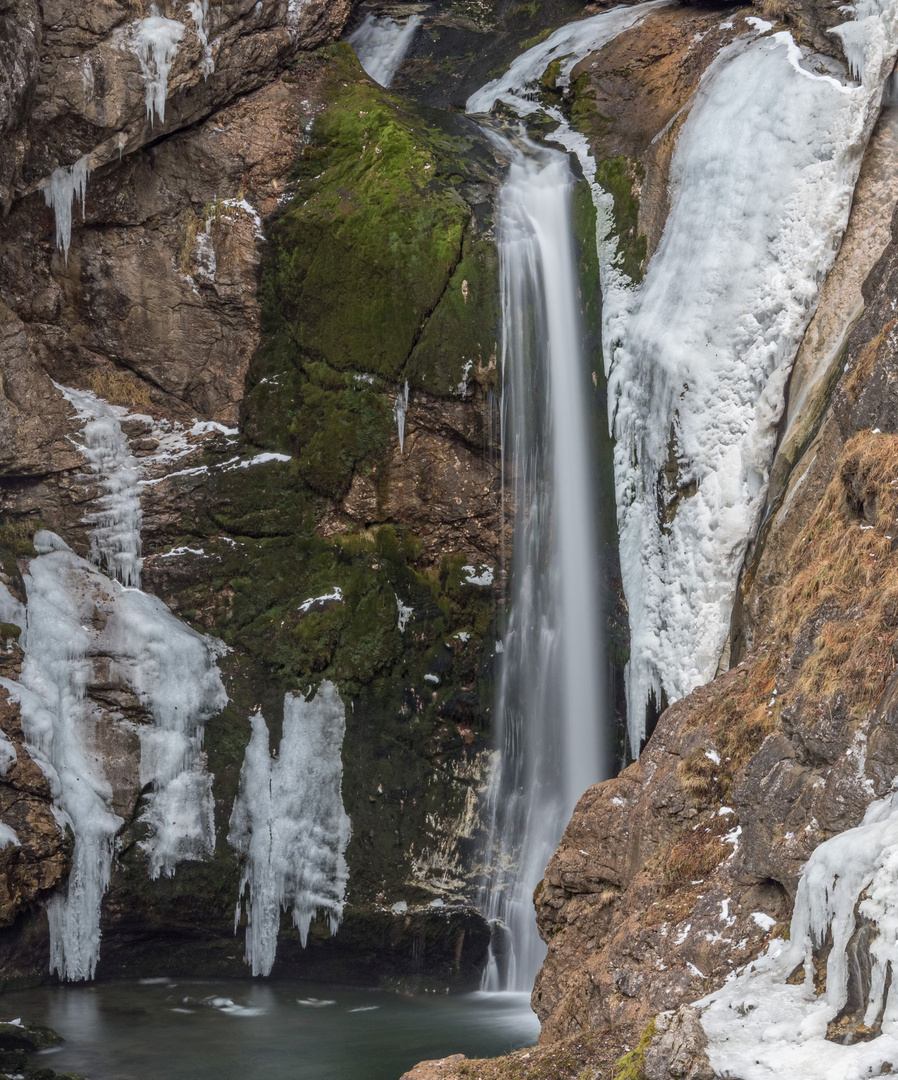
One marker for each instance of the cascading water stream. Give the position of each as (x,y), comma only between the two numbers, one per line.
(381,45)
(551,693)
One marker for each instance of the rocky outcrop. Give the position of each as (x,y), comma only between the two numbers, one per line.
(184,295)
(114,77)
(38,859)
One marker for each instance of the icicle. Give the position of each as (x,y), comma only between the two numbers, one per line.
(75,614)
(199,12)
(400,408)
(64,185)
(289,824)
(155,43)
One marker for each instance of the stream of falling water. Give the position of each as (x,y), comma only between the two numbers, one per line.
(551,692)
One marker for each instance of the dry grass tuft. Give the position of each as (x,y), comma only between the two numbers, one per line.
(847,567)
(120,388)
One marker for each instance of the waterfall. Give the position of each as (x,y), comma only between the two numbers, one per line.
(698,355)
(381,45)
(550,711)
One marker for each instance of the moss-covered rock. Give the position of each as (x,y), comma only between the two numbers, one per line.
(378,271)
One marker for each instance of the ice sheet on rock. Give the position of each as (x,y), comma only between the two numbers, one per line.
(11,609)
(199,12)
(405,612)
(115,524)
(381,45)
(8,837)
(760,1027)
(155,42)
(74,613)
(289,824)
(335,594)
(59,724)
(478,575)
(173,671)
(66,183)
(8,756)
(699,354)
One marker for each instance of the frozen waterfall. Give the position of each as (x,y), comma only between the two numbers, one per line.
(75,615)
(700,353)
(381,45)
(289,824)
(115,534)
(552,721)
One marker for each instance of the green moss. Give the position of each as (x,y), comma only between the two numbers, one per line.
(9,630)
(377,271)
(632,1066)
(618,176)
(368,205)
(458,343)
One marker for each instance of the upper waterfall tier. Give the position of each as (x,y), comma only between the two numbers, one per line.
(699,353)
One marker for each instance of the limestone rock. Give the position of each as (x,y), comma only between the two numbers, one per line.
(20,39)
(677,1052)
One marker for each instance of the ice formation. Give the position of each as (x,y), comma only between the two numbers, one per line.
(155,42)
(199,12)
(73,615)
(519,86)
(761,1027)
(65,184)
(400,408)
(115,524)
(8,756)
(381,45)
(289,824)
(698,355)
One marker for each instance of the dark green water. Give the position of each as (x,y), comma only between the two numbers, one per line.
(161,1030)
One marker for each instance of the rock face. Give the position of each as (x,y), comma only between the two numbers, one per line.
(198,285)
(680,870)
